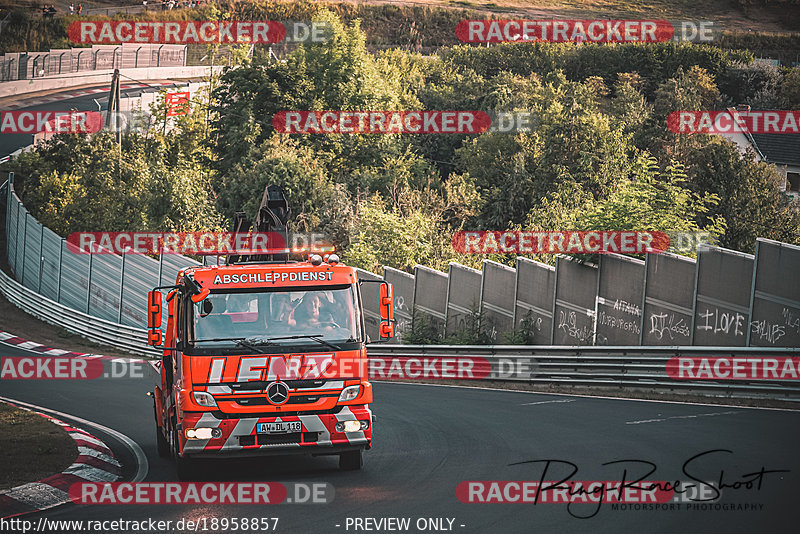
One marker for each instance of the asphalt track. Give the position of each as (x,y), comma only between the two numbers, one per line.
(429,438)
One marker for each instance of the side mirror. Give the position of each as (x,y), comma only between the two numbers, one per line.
(154,299)
(386,306)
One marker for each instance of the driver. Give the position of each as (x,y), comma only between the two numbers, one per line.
(308,314)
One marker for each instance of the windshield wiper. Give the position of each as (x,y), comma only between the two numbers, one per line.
(315,337)
(250,344)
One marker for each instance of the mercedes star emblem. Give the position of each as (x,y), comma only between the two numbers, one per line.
(278,393)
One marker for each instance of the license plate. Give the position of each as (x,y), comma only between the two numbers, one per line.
(279,428)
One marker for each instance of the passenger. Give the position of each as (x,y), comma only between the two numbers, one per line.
(282,307)
(308,314)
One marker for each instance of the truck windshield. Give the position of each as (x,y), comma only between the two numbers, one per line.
(328,314)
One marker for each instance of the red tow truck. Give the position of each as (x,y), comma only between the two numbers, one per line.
(264,357)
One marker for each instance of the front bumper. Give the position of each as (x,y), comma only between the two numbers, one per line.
(239,436)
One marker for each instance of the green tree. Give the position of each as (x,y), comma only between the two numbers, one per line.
(690,90)
(756,84)
(647,200)
(751,200)
(654,201)
(572,142)
(401,237)
(790,89)
(74,183)
(283,162)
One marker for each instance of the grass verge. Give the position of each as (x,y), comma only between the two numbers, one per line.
(31,447)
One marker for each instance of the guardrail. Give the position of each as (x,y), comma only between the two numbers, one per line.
(623,368)
(133,340)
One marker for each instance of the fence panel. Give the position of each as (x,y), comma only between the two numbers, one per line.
(573,313)
(669,297)
(22,224)
(74,278)
(535,287)
(60,61)
(33,259)
(619,300)
(104,288)
(463,297)
(51,262)
(12,210)
(497,299)
(722,308)
(430,296)
(776,295)
(140,276)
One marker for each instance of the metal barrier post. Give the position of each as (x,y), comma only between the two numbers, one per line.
(41,259)
(24,246)
(121,286)
(644,300)
(16,241)
(89,283)
(752,295)
(9,189)
(553,307)
(694,296)
(60,263)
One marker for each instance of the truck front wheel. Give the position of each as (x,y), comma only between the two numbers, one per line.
(186,467)
(161,440)
(351,460)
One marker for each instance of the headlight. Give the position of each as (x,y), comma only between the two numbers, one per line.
(350,426)
(204,399)
(349,393)
(203,433)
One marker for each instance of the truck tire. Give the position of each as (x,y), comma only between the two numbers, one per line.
(351,460)
(161,441)
(186,467)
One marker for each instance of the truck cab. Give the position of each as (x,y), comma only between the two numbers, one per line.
(264,358)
